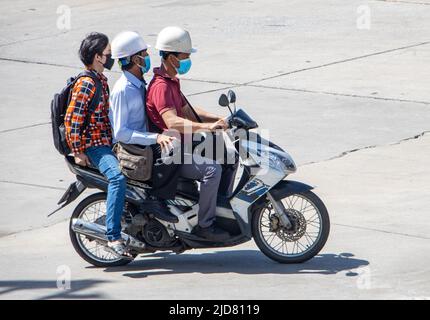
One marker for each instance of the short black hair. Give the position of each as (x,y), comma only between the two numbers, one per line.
(126,67)
(165,54)
(126,64)
(94,43)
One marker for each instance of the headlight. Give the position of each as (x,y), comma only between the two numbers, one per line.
(282,162)
(289,163)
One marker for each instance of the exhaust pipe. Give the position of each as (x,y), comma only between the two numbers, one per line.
(97,231)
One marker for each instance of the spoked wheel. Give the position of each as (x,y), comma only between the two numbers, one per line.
(93,209)
(307,235)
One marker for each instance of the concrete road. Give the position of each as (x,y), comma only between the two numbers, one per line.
(342,85)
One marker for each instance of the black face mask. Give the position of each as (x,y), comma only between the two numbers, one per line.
(109,62)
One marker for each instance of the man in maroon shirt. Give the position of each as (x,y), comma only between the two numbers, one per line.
(168,110)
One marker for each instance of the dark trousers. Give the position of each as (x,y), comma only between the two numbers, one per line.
(164,176)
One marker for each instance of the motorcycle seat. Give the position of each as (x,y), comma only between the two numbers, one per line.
(76,169)
(185,187)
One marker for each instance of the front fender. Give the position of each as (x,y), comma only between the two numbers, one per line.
(285,188)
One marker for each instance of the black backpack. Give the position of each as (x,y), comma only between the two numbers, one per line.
(59,105)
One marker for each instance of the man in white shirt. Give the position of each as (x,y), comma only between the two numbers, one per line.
(127,112)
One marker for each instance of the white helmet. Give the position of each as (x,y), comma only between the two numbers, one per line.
(126,44)
(174,39)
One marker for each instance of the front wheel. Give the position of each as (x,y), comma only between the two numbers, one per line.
(307,235)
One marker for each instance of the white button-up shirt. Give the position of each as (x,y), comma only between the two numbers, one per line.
(127,112)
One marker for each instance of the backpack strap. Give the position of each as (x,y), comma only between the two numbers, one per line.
(96,98)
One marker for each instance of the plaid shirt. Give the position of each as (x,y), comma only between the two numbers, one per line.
(99,131)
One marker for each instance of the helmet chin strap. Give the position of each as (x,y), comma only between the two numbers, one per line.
(171,70)
(136,71)
(179,63)
(140,70)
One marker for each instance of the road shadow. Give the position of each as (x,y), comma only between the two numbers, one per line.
(7,287)
(246,262)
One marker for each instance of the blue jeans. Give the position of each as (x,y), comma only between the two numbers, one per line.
(105,160)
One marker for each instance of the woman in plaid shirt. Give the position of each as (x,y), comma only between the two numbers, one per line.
(92,145)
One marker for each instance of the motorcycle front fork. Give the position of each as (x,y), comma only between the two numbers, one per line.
(279,208)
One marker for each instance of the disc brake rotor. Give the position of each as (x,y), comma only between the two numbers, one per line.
(297,230)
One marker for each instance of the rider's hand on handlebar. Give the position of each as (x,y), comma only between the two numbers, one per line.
(220,124)
(225,123)
(82,160)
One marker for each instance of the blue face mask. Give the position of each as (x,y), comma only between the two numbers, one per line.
(147,66)
(184,66)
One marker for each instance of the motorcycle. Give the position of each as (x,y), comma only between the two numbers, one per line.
(287,220)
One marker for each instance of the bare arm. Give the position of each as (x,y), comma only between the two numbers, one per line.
(173,121)
(204,115)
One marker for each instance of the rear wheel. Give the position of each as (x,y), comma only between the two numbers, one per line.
(305,239)
(93,209)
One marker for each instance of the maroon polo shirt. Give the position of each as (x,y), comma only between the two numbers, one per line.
(163,94)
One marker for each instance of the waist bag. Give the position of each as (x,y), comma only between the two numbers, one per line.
(135,161)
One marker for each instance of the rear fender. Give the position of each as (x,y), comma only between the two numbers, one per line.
(71,194)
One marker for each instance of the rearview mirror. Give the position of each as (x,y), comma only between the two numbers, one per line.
(231,96)
(223,101)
